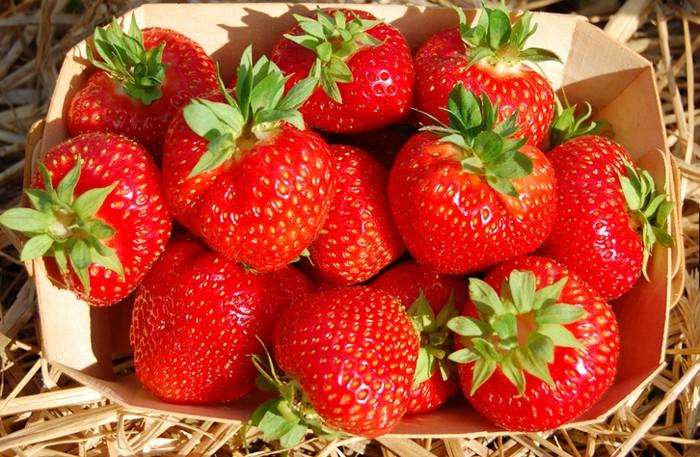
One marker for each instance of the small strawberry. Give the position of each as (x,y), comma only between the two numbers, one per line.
(470,195)
(141,82)
(349,355)
(363,65)
(488,57)
(242,173)
(98,213)
(197,319)
(359,237)
(384,144)
(431,300)
(536,346)
(611,214)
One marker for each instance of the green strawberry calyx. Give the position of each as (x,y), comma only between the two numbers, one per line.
(255,110)
(488,147)
(648,208)
(568,124)
(124,57)
(435,337)
(63,226)
(497,42)
(516,331)
(288,416)
(333,39)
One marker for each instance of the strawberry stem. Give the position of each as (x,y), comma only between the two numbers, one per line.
(568,125)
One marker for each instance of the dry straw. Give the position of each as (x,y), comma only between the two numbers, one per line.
(42,413)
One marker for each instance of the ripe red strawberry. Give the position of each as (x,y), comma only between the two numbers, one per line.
(384,144)
(488,58)
(364,68)
(98,212)
(197,319)
(349,355)
(468,196)
(538,346)
(610,214)
(431,300)
(141,82)
(359,237)
(244,174)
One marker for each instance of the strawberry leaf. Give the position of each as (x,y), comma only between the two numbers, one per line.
(67,185)
(25,220)
(483,369)
(89,202)
(559,313)
(36,247)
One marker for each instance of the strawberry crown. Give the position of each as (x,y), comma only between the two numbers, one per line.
(648,208)
(257,108)
(495,40)
(499,338)
(124,58)
(568,125)
(333,40)
(488,146)
(435,337)
(63,226)
(288,416)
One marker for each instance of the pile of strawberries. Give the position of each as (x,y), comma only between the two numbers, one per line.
(358,267)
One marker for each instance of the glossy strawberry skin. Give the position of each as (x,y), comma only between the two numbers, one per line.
(442,62)
(580,376)
(135,209)
(263,208)
(380,94)
(592,234)
(359,237)
(453,222)
(405,281)
(353,350)
(195,321)
(102,106)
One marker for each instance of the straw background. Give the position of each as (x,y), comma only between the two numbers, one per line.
(44,413)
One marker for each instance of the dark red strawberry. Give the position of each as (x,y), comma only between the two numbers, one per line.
(470,195)
(488,58)
(384,144)
(98,213)
(431,300)
(538,346)
(359,237)
(243,173)
(349,355)
(364,68)
(141,82)
(197,319)
(610,216)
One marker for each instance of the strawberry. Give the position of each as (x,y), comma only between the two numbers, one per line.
(488,57)
(536,346)
(431,300)
(364,68)
(611,214)
(359,238)
(141,82)
(384,144)
(349,355)
(470,195)
(197,318)
(242,173)
(98,212)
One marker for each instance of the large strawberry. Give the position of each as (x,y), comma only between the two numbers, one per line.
(349,355)
(488,57)
(364,68)
(611,214)
(537,346)
(141,82)
(242,172)
(197,319)
(359,238)
(98,213)
(431,300)
(470,195)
